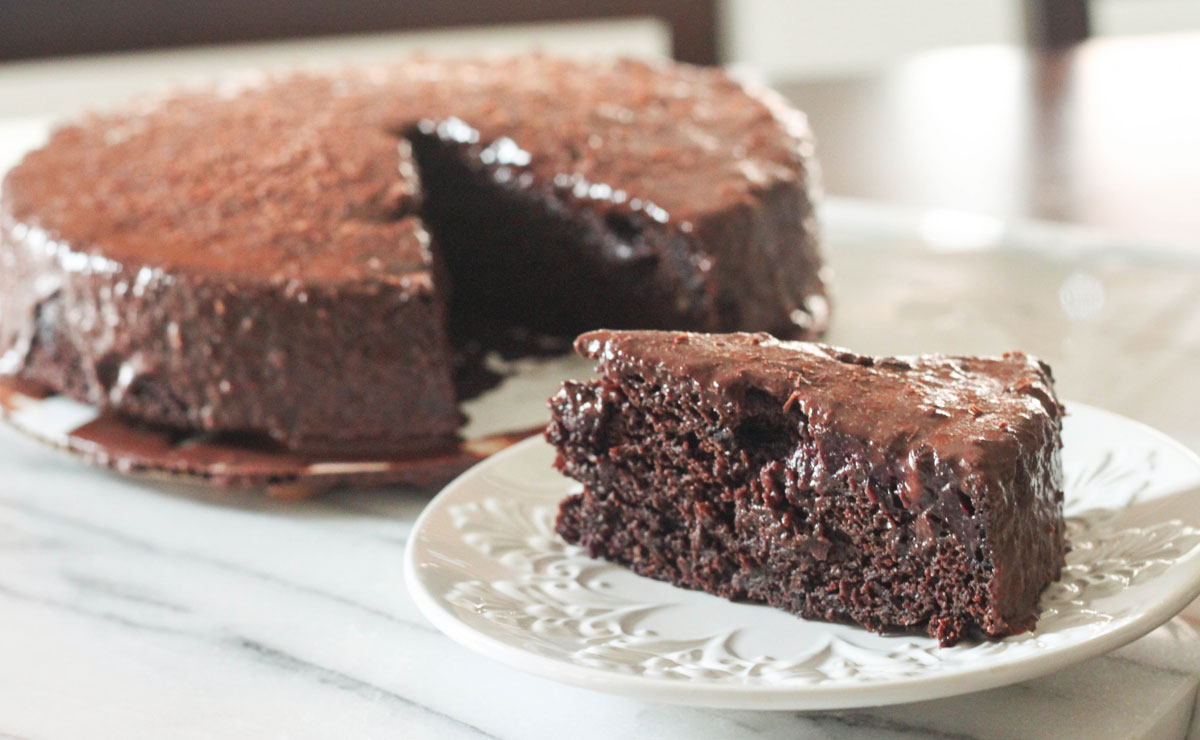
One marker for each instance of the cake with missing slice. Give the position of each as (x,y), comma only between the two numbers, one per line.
(902,494)
(289,260)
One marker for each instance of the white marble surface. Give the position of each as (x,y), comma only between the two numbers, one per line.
(138,610)
(130,609)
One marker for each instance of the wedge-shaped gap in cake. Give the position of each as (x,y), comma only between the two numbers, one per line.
(544,251)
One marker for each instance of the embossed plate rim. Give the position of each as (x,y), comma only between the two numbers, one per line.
(833,695)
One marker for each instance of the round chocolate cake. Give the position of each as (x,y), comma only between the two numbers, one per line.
(290,258)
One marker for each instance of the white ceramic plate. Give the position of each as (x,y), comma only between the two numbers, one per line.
(485,566)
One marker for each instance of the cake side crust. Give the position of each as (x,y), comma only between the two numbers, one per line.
(189,352)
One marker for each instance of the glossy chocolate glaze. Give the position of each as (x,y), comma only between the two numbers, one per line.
(965,448)
(206,260)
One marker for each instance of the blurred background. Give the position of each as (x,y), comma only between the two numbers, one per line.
(1082,111)
(781,38)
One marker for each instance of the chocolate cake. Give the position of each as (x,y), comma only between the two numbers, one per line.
(903,494)
(287,257)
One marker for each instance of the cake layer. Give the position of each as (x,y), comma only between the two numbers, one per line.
(917,493)
(142,248)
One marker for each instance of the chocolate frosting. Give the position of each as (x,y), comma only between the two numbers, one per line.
(310,176)
(954,407)
(253,257)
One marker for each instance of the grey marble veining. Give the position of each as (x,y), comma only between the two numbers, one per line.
(134,609)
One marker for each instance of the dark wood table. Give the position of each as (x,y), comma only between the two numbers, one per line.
(1106,134)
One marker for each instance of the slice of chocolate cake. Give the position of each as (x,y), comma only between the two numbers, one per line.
(904,494)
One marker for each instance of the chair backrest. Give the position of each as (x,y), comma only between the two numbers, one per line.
(1053,24)
(59,27)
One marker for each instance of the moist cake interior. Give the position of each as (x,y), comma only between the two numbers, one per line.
(727,513)
(524,255)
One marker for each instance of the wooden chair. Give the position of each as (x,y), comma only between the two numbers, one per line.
(59,27)
(56,27)
(1056,24)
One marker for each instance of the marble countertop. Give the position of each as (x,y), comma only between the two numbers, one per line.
(137,609)
(134,609)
